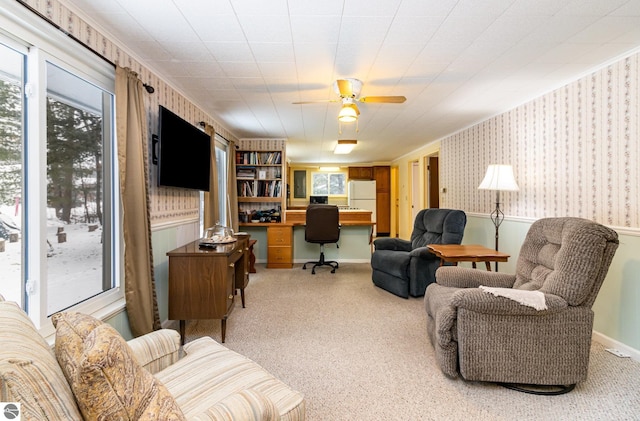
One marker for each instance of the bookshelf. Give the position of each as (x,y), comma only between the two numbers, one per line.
(260,176)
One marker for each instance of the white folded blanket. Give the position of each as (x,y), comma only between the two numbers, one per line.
(533,299)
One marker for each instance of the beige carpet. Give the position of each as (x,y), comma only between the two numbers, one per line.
(360,353)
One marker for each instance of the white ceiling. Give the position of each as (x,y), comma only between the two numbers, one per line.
(457,61)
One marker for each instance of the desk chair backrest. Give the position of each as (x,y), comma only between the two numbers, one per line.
(322,224)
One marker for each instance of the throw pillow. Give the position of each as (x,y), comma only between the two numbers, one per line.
(28,383)
(107,381)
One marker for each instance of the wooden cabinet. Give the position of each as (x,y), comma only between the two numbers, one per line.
(260,175)
(280,246)
(202,281)
(360,173)
(382,175)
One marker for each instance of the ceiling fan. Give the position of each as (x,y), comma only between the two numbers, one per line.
(349,91)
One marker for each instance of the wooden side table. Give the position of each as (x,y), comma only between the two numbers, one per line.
(454,253)
(202,281)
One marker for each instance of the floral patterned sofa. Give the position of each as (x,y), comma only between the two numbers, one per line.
(94,374)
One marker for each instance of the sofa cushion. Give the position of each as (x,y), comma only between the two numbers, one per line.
(210,372)
(25,360)
(105,377)
(245,405)
(26,382)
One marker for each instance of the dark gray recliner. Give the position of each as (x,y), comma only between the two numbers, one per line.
(406,267)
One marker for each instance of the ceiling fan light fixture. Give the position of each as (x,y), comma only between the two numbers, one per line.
(348,114)
(345,146)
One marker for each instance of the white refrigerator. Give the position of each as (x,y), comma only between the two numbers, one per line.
(362,195)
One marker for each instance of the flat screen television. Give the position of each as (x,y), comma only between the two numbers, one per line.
(184,153)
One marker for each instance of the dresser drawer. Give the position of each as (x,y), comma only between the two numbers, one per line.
(279,236)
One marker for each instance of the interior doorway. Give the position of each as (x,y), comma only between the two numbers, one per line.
(433,182)
(414,200)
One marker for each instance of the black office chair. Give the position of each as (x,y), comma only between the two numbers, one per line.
(322,227)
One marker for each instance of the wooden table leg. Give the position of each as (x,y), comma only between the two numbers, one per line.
(242,296)
(473,264)
(488,265)
(182,331)
(252,260)
(223,327)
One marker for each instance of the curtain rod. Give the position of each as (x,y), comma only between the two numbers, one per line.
(148,87)
(204,124)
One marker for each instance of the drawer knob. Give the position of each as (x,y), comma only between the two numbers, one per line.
(232,265)
(239,251)
(230,296)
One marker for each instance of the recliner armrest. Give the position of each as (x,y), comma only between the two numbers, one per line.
(476,300)
(423,253)
(458,277)
(390,243)
(157,350)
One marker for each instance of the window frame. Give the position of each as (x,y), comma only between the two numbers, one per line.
(44,43)
(328,174)
(223,146)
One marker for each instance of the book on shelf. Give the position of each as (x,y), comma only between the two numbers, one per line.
(245,173)
(246,189)
(258,158)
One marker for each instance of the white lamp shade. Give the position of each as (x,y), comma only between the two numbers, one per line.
(348,114)
(499,177)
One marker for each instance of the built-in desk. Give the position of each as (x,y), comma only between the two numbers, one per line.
(347,216)
(355,239)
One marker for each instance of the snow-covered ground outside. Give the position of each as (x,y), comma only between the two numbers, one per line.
(74,267)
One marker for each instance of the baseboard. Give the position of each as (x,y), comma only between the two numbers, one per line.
(340,261)
(612,343)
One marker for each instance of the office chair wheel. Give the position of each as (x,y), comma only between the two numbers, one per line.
(313,271)
(333,270)
(304,266)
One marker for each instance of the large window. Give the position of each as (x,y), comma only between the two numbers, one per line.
(11,152)
(328,184)
(58,212)
(221,170)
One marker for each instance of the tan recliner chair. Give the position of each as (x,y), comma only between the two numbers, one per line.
(485,337)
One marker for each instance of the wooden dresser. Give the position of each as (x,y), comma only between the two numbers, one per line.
(202,281)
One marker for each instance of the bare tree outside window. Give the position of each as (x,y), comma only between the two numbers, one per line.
(74,189)
(323,184)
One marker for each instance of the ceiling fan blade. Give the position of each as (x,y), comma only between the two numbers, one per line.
(345,88)
(384,99)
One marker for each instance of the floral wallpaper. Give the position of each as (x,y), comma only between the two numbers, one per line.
(168,205)
(575,151)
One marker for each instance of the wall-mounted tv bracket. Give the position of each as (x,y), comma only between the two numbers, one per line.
(154,148)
